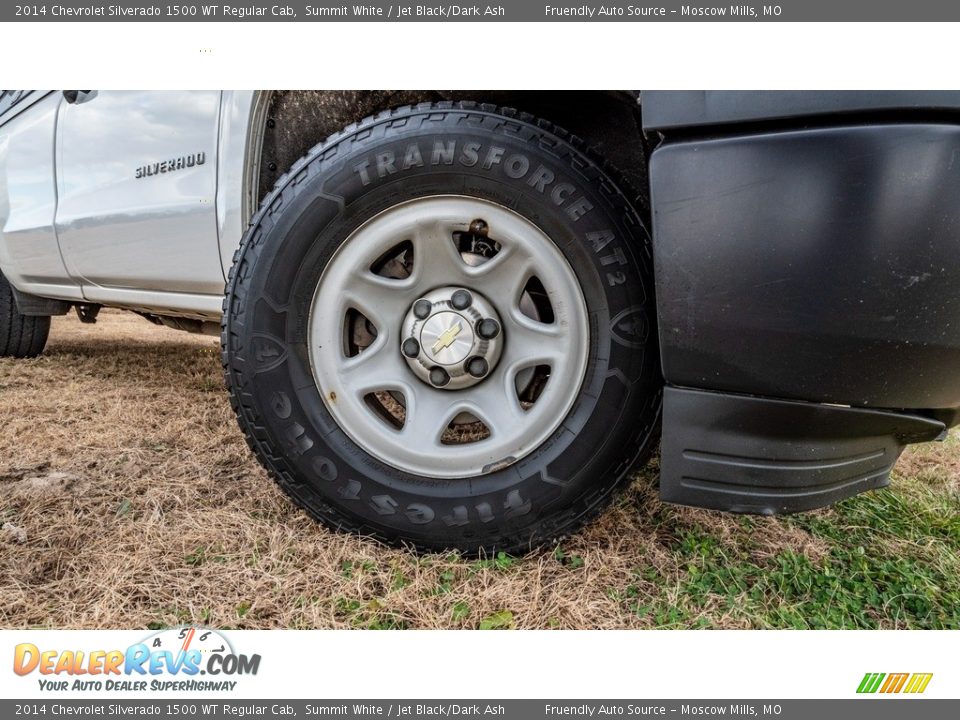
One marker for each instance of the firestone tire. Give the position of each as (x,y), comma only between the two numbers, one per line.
(513,162)
(21,336)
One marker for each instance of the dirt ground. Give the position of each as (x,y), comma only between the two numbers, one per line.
(129,499)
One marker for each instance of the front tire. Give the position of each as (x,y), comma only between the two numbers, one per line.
(439,331)
(21,336)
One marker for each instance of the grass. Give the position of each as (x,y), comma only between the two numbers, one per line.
(129,499)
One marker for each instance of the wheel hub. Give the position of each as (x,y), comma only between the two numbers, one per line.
(452,338)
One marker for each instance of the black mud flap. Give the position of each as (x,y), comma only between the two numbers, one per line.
(760,455)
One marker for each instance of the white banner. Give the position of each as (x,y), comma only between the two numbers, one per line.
(454,664)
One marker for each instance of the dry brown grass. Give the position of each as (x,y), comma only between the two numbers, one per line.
(128,498)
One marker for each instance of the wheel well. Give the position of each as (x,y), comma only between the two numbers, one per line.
(608,121)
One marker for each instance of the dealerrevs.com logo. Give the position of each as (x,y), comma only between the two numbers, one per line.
(179,659)
(891,683)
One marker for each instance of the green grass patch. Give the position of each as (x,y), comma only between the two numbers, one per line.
(890,558)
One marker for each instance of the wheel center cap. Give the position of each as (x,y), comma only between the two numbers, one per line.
(447,338)
(452,338)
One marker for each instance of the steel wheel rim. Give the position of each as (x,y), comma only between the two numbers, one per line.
(346,383)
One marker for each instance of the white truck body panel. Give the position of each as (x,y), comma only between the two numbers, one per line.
(242,117)
(127,198)
(156,231)
(29,254)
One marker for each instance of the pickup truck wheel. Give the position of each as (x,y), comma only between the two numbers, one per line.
(21,336)
(439,331)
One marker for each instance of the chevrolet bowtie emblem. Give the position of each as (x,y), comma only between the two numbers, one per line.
(447,337)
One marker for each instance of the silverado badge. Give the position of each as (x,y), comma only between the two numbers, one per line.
(165,166)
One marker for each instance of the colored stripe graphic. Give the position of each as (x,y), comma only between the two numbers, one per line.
(894,683)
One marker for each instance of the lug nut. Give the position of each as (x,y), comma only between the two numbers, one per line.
(461,299)
(488,328)
(439,377)
(477,367)
(421,309)
(410,348)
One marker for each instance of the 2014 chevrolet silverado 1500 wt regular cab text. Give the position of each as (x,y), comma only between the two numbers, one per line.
(455,325)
